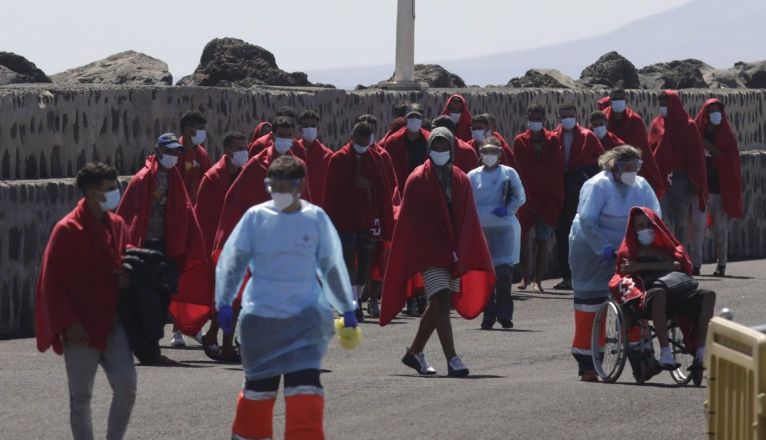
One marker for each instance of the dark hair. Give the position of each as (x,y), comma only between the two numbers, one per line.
(597,115)
(491,117)
(308,114)
(536,108)
(428,124)
(399,110)
(368,118)
(286,110)
(362,129)
(480,118)
(617,89)
(286,167)
(444,121)
(95,173)
(283,121)
(192,118)
(232,136)
(568,106)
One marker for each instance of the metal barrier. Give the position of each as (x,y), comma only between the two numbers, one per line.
(735,358)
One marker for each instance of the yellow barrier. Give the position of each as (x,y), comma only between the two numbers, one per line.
(735,358)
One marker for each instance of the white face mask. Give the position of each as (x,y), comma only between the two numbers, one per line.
(309,134)
(478,135)
(716,118)
(664,111)
(282,200)
(283,145)
(360,149)
(199,137)
(112,200)
(239,158)
(167,161)
(414,124)
(600,131)
(646,236)
(372,140)
(568,123)
(455,117)
(619,106)
(535,126)
(440,158)
(629,178)
(489,160)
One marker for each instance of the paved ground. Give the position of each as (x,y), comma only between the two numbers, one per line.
(524,385)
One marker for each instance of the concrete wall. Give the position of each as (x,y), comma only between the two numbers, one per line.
(50,132)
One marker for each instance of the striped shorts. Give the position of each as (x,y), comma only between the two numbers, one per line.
(436,279)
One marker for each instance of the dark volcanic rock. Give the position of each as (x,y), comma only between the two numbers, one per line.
(544,78)
(231,62)
(685,74)
(129,67)
(436,76)
(15,69)
(611,70)
(753,75)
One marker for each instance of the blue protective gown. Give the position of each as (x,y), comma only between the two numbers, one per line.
(601,221)
(286,320)
(491,190)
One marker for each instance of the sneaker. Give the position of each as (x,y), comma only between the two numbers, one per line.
(720,272)
(418,363)
(373,308)
(177,340)
(505,323)
(420,305)
(456,368)
(487,324)
(411,308)
(359,314)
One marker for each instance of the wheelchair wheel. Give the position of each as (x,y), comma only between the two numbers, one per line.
(681,375)
(609,342)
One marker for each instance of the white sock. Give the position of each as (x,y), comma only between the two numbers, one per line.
(666,355)
(700,354)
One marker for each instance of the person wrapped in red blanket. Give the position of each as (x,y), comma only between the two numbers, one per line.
(160,217)
(439,235)
(317,154)
(193,162)
(481,127)
(647,254)
(457,109)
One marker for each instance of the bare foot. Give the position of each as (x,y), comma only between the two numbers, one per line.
(538,288)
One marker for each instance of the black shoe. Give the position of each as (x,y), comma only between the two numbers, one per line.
(411,310)
(563,285)
(359,314)
(505,323)
(696,271)
(456,368)
(487,324)
(720,272)
(418,363)
(421,302)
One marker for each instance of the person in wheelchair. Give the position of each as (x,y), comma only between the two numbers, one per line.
(653,281)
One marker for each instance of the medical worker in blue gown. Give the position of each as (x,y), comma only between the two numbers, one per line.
(498,194)
(298,275)
(598,229)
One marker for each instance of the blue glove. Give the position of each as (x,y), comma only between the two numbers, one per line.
(501,211)
(226,320)
(608,253)
(349,319)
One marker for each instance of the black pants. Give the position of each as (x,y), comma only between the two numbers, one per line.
(500,305)
(358,252)
(295,379)
(562,243)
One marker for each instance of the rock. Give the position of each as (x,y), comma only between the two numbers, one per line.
(435,76)
(231,62)
(723,79)
(685,74)
(753,75)
(544,78)
(15,69)
(611,70)
(129,67)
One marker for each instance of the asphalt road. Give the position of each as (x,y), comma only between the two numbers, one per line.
(523,385)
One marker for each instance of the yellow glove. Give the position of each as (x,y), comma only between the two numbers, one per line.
(349,338)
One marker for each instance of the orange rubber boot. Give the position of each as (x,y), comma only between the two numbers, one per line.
(253,420)
(304,417)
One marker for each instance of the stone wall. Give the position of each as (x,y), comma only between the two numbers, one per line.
(49,132)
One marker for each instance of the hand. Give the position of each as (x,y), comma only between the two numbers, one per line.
(608,253)
(75,334)
(501,211)
(226,320)
(123,279)
(362,183)
(349,319)
(628,266)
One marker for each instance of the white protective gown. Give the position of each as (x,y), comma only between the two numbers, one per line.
(491,190)
(601,221)
(286,320)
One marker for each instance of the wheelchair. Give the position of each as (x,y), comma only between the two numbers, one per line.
(610,348)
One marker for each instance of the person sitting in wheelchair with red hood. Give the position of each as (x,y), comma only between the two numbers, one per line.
(653,279)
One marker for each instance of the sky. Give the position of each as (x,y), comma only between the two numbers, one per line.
(304,35)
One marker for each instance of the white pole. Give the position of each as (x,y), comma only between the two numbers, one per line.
(405,42)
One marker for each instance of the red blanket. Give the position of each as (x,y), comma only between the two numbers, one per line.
(466,157)
(542,175)
(267,156)
(77,284)
(388,171)
(267,141)
(352,209)
(586,148)
(677,146)
(727,162)
(212,192)
(258,132)
(507,156)
(184,244)
(396,145)
(428,235)
(317,160)
(192,167)
(463,130)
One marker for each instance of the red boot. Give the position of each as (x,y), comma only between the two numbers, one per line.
(253,420)
(304,417)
